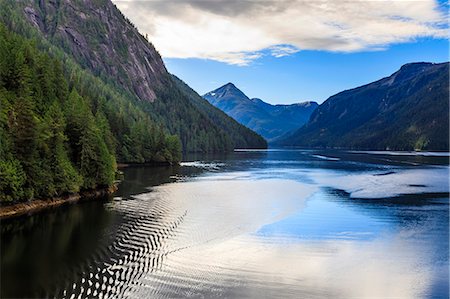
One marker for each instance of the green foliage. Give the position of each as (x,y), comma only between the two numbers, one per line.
(106,54)
(47,150)
(65,176)
(242,137)
(65,122)
(407,111)
(173,147)
(12,179)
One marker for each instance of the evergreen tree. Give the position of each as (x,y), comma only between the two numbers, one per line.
(48,151)
(12,180)
(65,177)
(25,140)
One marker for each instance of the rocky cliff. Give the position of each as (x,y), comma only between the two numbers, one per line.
(101,39)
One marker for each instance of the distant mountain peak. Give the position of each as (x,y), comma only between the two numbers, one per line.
(226,91)
(230,85)
(414,67)
(271,121)
(416,64)
(410,70)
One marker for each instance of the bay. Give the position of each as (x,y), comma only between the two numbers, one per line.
(250,224)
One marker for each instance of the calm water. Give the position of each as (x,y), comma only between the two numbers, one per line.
(273,224)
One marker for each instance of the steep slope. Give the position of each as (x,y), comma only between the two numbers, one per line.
(405,111)
(271,121)
(289,116)
(243,136)
(55,140)
(100,38)
(95,35)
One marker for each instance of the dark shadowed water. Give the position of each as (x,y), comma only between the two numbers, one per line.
(251,224)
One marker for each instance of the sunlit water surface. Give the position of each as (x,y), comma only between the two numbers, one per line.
(272,224)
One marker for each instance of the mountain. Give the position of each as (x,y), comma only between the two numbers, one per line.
(100,38)
(63,134)
(95,36)
(243,137)
(271,121)
(408,110)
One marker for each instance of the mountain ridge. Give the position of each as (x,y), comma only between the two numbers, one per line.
(271,121)
(96,36)
(114,29)
(402,111)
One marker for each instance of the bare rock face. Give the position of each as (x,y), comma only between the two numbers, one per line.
(97,34)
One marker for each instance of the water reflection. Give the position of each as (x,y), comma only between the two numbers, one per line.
(37,250)
(278,223)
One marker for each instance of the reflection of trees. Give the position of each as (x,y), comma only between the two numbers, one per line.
(85,247)
(136,246)
(36,249)
(137,179)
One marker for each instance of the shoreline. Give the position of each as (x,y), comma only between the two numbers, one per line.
(146,164)
(33,206)
(19,209)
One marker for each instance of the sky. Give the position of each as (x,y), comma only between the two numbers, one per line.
(287,51)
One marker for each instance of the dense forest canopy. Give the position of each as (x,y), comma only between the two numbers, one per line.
(57,135)
(64,125)
(94,37)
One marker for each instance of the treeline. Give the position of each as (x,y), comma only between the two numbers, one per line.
(61,132)
(243,137)
(200,128)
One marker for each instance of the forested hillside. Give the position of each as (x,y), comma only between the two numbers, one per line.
(60,133)
(93,35)
(408,110)
(243,137)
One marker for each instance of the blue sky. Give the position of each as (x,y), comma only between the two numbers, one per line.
(291,50)
(306,75)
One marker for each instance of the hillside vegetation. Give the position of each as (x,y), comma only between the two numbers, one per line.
(96,37)
(57,135)
(408,110)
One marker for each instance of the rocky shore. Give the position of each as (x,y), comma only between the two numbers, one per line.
(24,208)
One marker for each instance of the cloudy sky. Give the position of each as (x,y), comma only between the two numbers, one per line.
(287,50)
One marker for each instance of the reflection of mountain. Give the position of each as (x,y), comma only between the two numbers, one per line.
(405,111)
(271,121)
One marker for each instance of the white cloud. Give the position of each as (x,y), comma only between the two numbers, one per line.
(237,32)
(283,50)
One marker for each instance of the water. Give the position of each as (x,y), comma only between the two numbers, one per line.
(251,224)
